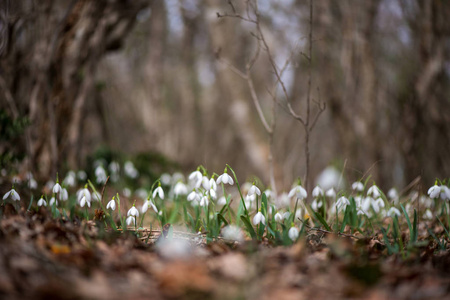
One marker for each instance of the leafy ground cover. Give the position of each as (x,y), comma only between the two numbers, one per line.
(183,240)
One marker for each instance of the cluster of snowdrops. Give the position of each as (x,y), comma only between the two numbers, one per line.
(218,206)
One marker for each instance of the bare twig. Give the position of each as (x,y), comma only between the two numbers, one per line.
(329,232)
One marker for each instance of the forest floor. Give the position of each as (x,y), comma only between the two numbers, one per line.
(44,258)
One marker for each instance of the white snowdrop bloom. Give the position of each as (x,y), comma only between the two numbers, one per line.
(53,201)
(317,191)
(225,178)
(126,192)
(392,194)
(84,193)
(32,183)
(193,196)
(232,232)
(204,201)
(393,211)
(158,191)
(330,177)
(133,212)
(84,201)
(293,233)
(259,218)
(180,189)
(212,193)
(377,205)
(331,193)
(165,179)
(131,221)
(82,176)
(222,201)
(141,193)
(428,215)
(14,195)
(358,201)
(361,212)
(96,196)
(299,192)
(196,178)
(342,203)
(366,203)
(316,204)
(111,204)
(254,190)
(42,202)
(56,188)
(114,167)
(298,214)
(374,191)
(250,198)
(213,184)
(358,186)
(286,215)
(71,179)
(147,204)
(63,195)
(278,217)
(434,191)
(130,170)
(100,175)
(445,192)
(205,183)
(269,194)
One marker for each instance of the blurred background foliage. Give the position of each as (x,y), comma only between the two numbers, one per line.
(140,78)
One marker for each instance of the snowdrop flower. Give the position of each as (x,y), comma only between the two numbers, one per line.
(131,221)
(133,212)
(434,191)
(393,211)
(361,212)
(63,195)
(225,178)
(377,204)
(71,179)
(114,167)
(100,174)
(158,191)
(32,183)
(299,192)
(286,215)
(213,184)
(259,218)
(204,201)
(82,175)
(84,200)
(250,198)
(293,233)
(366,203)
(331,193)
(428,214)
(392,194)
(196,178)
(222,201)
(111,204)
(14,195)
(53,201)
(193,196)
(269,194)
(445,192)
(342,203)
(147,204)
(316,204)
(130,170)
(180,189)
(358,186)
(317,191)
(299,214)
(84,193)
(42,202)
(205,183)
(56,188)
(278,217)
(374,191)
(232,232)
(213,194)
(254,190)
(165,179)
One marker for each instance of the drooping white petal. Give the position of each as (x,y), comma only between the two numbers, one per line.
(293,233)
(111,204)
(317,191)
(278,217)
(259,218)
(358,186)
(56,188)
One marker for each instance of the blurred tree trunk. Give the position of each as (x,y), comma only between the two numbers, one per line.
(425,108)
(48,67)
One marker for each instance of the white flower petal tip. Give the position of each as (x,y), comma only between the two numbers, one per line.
(358,186)
(225,179)
(299,192)
(254,190)
(111,204)
(158,191)
(259,218)
(293,233)
(317,191)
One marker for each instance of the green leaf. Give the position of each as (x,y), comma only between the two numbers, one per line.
(320,219)
(221,219)
(408,221)
(249,227)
